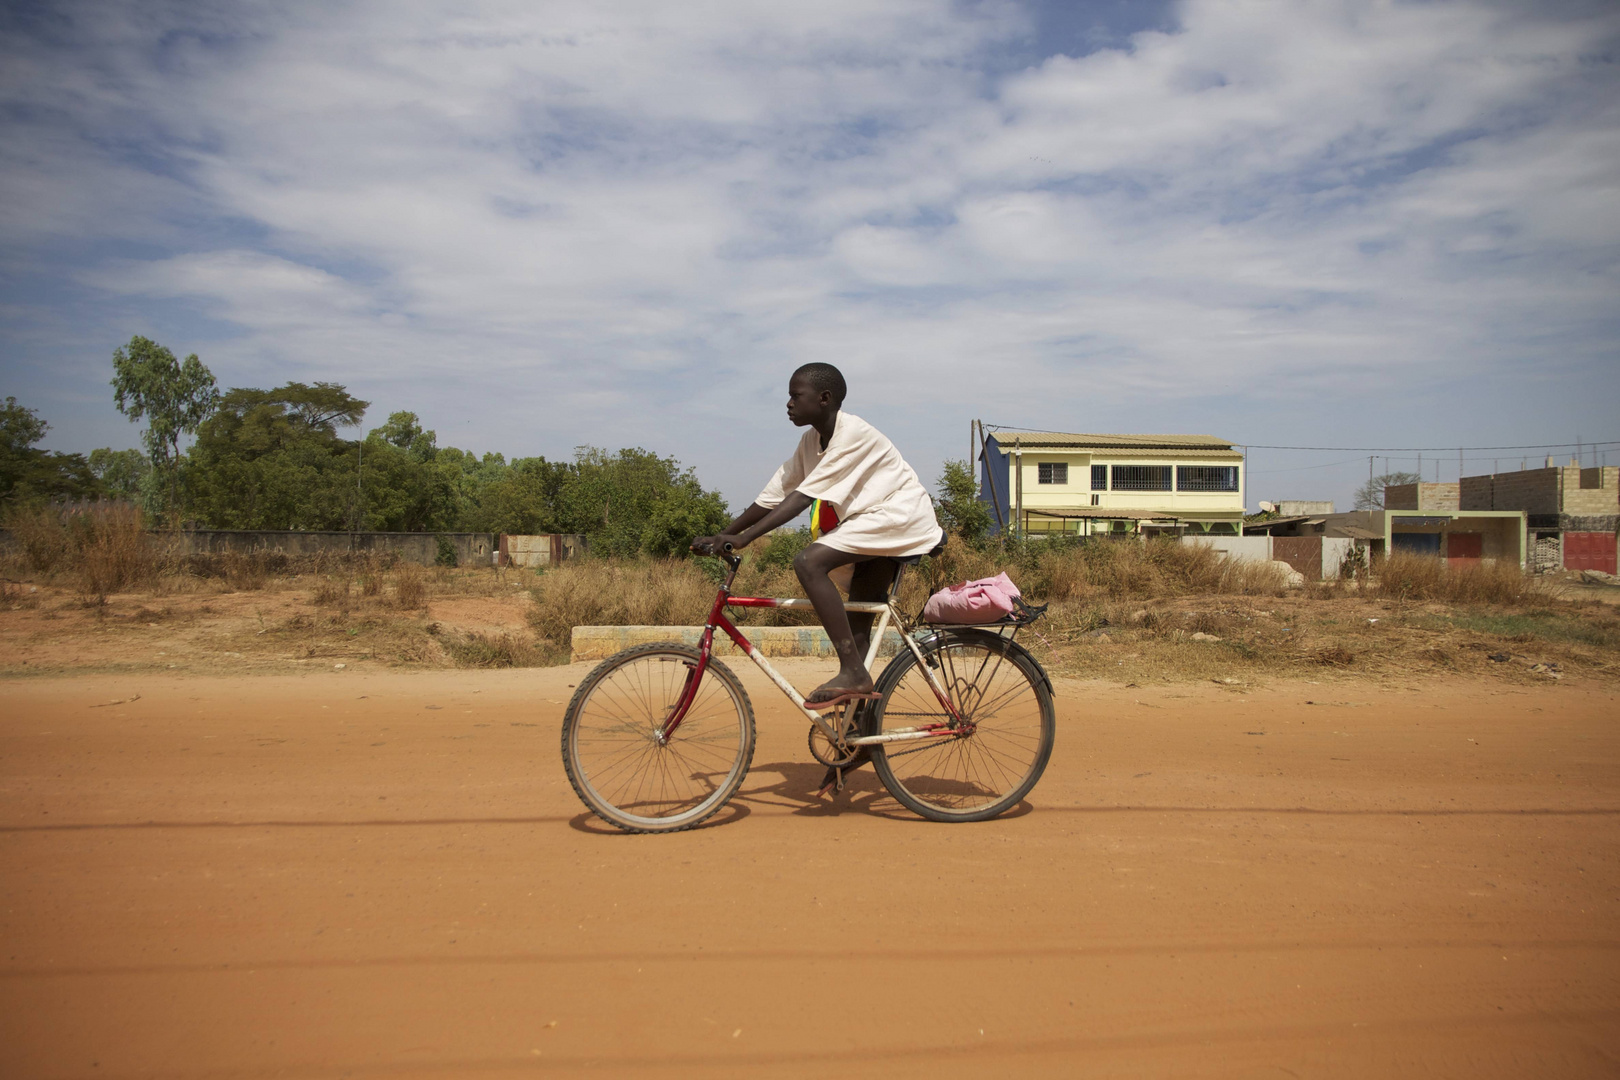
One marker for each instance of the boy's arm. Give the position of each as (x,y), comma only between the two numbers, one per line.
(753,523)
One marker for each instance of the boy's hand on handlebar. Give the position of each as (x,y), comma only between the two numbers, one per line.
(714,545)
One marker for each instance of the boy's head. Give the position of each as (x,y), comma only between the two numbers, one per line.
(814,392)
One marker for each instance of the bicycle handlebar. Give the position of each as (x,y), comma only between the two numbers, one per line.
(728,554)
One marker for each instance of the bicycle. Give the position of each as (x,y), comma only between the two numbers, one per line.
(961,730)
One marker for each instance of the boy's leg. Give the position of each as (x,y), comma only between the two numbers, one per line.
(870,583)
(813,564)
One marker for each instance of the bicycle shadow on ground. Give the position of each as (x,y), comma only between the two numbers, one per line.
(796,792)
(592,825)
(863,793)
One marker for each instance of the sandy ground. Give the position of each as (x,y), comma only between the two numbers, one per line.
(372,873)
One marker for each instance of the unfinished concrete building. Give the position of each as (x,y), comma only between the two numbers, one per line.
(1573,512)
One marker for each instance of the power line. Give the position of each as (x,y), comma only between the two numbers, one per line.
(1379,449)
(1427,449)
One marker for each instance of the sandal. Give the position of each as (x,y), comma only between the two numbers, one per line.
(843,697)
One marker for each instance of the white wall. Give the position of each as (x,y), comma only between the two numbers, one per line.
(1239,548)
(1333,549)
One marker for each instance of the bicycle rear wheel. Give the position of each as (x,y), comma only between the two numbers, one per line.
(615,761)
(1003,696)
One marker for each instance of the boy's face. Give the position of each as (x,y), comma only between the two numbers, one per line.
(806,405)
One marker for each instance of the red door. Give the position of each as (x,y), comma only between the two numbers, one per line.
(1589,551)
(1464,546)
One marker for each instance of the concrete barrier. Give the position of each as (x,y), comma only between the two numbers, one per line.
(600,642)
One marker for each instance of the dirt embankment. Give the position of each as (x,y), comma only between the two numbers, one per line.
(484,618)
(382,873)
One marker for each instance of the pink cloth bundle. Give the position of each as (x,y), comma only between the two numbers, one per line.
(972,602)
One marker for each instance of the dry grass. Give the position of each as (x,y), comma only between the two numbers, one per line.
(112,549)
(678,592)
(105,547)
(1404,577)
(410,585)
(503,650)
(1063,571)
(613,592)
(331,592)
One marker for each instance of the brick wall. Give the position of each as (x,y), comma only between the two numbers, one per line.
(1559,490)
(1421,497)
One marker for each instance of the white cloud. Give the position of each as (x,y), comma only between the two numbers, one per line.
(634,220)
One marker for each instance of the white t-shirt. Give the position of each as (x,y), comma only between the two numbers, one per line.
(882,507)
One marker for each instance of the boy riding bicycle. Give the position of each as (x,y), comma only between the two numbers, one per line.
(869,509)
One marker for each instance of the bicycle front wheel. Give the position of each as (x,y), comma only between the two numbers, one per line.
(618,765)
(1006,703)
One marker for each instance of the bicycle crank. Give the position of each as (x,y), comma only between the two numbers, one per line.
(827,752)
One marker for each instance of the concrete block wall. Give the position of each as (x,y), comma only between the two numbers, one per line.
(1566,489)
(1422,497)
(1592,491)
(600,642)
(541,549)
(1303,507)
(472,549)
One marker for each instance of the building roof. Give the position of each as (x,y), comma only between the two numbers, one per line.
(1111,442)
(1103,513)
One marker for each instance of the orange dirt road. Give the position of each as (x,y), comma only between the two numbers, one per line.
(387,875)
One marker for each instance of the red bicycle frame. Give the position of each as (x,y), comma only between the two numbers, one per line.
(717,619)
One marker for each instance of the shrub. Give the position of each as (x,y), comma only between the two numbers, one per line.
(112,550)
(38,531)
(410,585)
(105,545)
(494,651)
(613,592)
(447,553)
(331,590)
(780,549)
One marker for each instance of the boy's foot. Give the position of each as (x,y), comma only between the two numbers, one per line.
(838,697)
(841,689)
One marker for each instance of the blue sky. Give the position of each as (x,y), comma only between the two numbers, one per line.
(540,225)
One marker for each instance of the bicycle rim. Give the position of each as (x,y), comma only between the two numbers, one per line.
(615,761)
(976,776)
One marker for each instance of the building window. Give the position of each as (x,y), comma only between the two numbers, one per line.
(1206,477)
(1099,478)
(1141,478)
(1053,472)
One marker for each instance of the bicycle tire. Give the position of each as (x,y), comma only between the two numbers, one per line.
(616,765)
(997,686)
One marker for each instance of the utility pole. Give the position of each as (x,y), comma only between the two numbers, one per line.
(973,457)
(359,489)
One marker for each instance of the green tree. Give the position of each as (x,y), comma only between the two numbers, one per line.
(272,459)
(27,472)
(959,508)
(522,499)
(635,502)
(120,472)
(1370,496)
(173,397)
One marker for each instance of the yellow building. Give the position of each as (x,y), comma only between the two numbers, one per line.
(1049,481)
